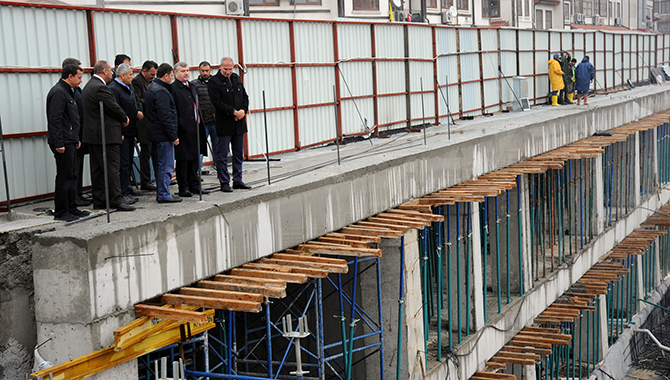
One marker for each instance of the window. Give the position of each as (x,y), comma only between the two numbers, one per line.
(431,4)
(490,8)
(566,11)
(539,19)
(618,10)
(366,5)
(446,4)
(306,2)
(263,2)
(547,19)
(528,8)
(463,4)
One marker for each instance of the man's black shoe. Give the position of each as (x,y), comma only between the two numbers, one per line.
(148,187)
(196,191)
(185,194)
(66,217)
(134,193)
(79,213)
(130,200)
(169,200)
(241,185)
(226,188)
(124,207)
(82,202)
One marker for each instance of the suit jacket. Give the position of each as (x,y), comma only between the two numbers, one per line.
(227,97)
(140,86)
(188,127)
(62,116)
(127,100)
(95,92)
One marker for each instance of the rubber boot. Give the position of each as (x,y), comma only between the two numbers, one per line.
(570,98)
(554,101)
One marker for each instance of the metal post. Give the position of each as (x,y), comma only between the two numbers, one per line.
(337,133)
(498,254)
(519,230)
(458,274)
(352,323)
(197,134)
(423,113)
(468,265)
(485,243)
(448,217)
(507,220)
(267,144)
(4,167)
(448,109)
(268,333)
(104,157)
(440,287)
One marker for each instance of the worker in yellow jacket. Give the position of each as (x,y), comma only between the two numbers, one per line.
(556,78)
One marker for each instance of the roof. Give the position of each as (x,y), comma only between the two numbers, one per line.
(601,27)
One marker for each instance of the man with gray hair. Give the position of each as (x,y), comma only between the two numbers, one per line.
(187,153)
(125,96)
(231,102)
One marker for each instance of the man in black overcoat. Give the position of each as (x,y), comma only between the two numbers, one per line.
(231,102)
(115,119)
(187,153)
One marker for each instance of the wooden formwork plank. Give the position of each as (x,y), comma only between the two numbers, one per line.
(335,240)
(416,207)
(331,268)
(212,303)
(502,359)
(385,233)
(534,350)
(288,277)
(309,259)
(518,355)
(268,267)
(495,365)
(538,339)
(542,329)
(546,334)
(519,342)
(362,238)
(268,291)
(248,280)
(495,375)
(418,225)
(340,249)
(214,293)
(416,214)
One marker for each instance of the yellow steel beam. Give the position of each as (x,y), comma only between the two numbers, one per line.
(108,357)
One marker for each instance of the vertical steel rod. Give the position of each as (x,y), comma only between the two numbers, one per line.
(267,144)
(104,157)
(337,132)
(4,167)
(423,114)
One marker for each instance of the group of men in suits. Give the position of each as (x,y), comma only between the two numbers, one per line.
(169,112)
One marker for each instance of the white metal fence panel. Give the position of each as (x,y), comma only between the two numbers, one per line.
(200,39)
(600,59)
(317,124)
(542,56)
(354,41)
(508,61)
(421,47)
(268,43)
(31,169)
(471,96)
(61,33)
(618,60)
(527,61)
(356,78)
(626,57)
(447,68)
(280,131)
(567,43)
(490,63)
(391,74)
(554,41)
(314,42)
(140,36)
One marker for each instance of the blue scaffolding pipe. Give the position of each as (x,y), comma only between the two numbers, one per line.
(352,322)
(401,302)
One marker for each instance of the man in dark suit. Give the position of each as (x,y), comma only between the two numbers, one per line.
(125,96)
(115,119)
(231,102)
(187,153)
(63,139)
(79,199)
(147,154)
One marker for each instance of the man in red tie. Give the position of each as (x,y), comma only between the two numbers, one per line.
(187,153)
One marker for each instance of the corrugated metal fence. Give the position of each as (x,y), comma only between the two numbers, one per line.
(374,76)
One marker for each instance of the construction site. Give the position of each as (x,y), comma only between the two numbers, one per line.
(413,214)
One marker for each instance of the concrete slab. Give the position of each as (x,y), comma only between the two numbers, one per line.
(103,269)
